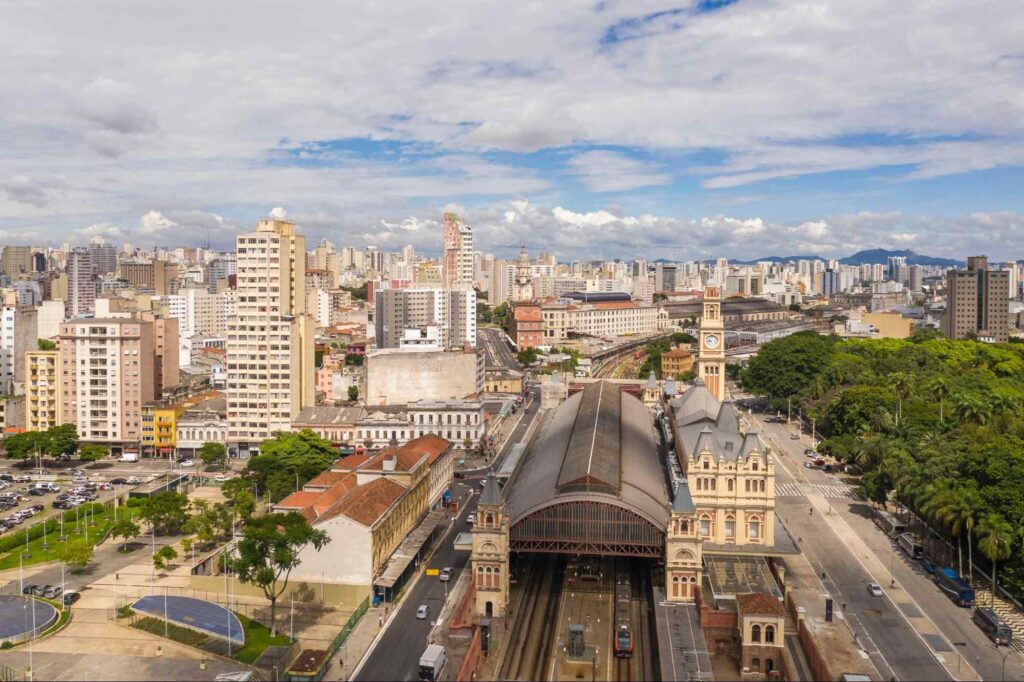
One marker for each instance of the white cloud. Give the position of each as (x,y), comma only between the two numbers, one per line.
(604,171)
(278,212)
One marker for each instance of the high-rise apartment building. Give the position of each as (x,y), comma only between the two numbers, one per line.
(42,390)
(893,267)
(270,337)
(103,258)
(452,312)
(106,374)
(81,298)
(160,277)
(7,354)
(977,302)
(16,261)
(458,252)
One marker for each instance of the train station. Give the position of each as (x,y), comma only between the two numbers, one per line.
(616,508)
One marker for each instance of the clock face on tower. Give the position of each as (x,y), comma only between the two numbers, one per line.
(711,341)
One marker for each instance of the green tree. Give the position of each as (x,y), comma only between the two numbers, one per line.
(354,359)
(995,540)
(269,551)
(46,344)
(61,440)
(77,556)
(683,337)
(166,513)
(938,389)
(125,528)
(500,316)
(483,313)
(214,454)
(24,445)
(164,556)
(359,293)
(288,460)
(527,356)
(353,393)
(785,367)
(972,409)
(960,509)
(90,452)
(902,383)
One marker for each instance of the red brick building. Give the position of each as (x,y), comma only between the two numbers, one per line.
(527,325)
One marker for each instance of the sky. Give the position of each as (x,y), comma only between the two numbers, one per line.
(682,130)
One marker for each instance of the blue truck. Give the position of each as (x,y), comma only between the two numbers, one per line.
(955,587)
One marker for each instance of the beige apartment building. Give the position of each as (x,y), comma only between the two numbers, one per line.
(270,337)
(106,374)
(613,318)
(978,302)
(42,390)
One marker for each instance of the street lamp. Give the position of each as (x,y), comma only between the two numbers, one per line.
(1004,656)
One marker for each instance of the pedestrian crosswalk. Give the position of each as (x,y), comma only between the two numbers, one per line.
(805,489)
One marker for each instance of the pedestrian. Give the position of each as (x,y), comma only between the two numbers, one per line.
(380,621)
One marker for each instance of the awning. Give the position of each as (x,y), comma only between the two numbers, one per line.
(410,547)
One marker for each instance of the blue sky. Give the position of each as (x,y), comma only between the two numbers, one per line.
(702,127)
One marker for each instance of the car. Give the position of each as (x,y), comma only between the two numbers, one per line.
(6,477)
(422,612)
(445,575)
(29,589)
(77,472)
(61,504)
(23,478)
(39,590)
(874,589)
(118,481)
(819,462)
(105,486)
(53,592)
(471,519)
(810,465)
(70,597)
(808,452)
(795,436)
(188,463)
(79,480)
(133,480)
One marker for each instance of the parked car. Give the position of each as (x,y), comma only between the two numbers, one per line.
(40,590)
(874,589)
(70,597)
(221,478)
(6,477)
(118,481)
(808,452)
(445,575)
(78,480)
(422,612)
(188,463)
(53,592)
(22,478)
(133,480)
(106,486)
(29,589)
(795,436)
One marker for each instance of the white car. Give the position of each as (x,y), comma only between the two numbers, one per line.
(188,463)
(221,478)
(422,612)
(134,480)
(875,589)
(445,575)
(471,519)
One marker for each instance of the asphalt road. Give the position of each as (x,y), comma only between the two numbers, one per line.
(397,653)
(895,649)
(496,347)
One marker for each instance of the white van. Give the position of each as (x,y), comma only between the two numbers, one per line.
(46,487)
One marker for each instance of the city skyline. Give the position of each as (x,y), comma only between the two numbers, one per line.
(776,129)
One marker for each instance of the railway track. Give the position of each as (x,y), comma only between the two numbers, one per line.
(533,632)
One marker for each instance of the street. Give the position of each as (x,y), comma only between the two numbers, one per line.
(494,344)
(396,653)
(883,625)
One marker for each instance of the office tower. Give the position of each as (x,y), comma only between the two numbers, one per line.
(7,354)
(16,261)
(452,312)
(220,270)
(81,290)
(270,337)
(103,258)
(107,373)
(458,252)
(830,283)
(664,277)
(160,277)
(977,302)
(39,261)
(42,390)
(893,267)
(915,278)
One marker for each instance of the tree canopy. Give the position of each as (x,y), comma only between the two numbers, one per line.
(288,460)
(935,422)
(269,551)
(166,512)
(214,455)
(57,440)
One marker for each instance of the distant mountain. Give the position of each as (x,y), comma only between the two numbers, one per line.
(882,256)
(868,256)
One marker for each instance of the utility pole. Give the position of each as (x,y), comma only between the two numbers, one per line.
(789,411)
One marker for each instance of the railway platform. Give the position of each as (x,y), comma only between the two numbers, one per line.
(682,650)
(588,602)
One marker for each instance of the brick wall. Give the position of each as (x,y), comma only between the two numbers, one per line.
(468,667)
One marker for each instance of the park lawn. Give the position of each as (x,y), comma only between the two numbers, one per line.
(257,640)
(177,633)
(56,548)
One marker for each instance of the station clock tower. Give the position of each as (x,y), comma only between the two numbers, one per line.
(711,356)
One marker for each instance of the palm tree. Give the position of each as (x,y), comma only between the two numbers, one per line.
(901,383)
(960,508)
(939,390)
(995,540)
(881,420)
(971,409)
(870,451)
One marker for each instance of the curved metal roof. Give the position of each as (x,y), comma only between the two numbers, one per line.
(598,445)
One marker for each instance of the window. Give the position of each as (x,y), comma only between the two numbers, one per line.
(707,464)
(753,466)
(705,525)
(755,633)
(769,634)
(755,663)
(730,528)
(754,529)
(729,484)
(746,486)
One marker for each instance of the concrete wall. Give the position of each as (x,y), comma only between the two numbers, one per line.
(397,378)
(339,595)
(345,559)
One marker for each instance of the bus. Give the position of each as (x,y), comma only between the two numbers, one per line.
(889,524)
(909,544)
(955,588)
(433,663)
(993,626)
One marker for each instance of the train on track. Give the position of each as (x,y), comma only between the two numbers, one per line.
(623,610)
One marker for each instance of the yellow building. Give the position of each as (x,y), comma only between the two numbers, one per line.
(889,325)
(675,362)
(42,390)
(160,421)
(501,380)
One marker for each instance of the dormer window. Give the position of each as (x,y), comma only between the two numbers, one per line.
(707,464)
(753,465)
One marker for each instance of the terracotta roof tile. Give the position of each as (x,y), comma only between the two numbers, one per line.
(299,500)
(336,492)
(327,479)
(368,503)
(760,603)
(350,462)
